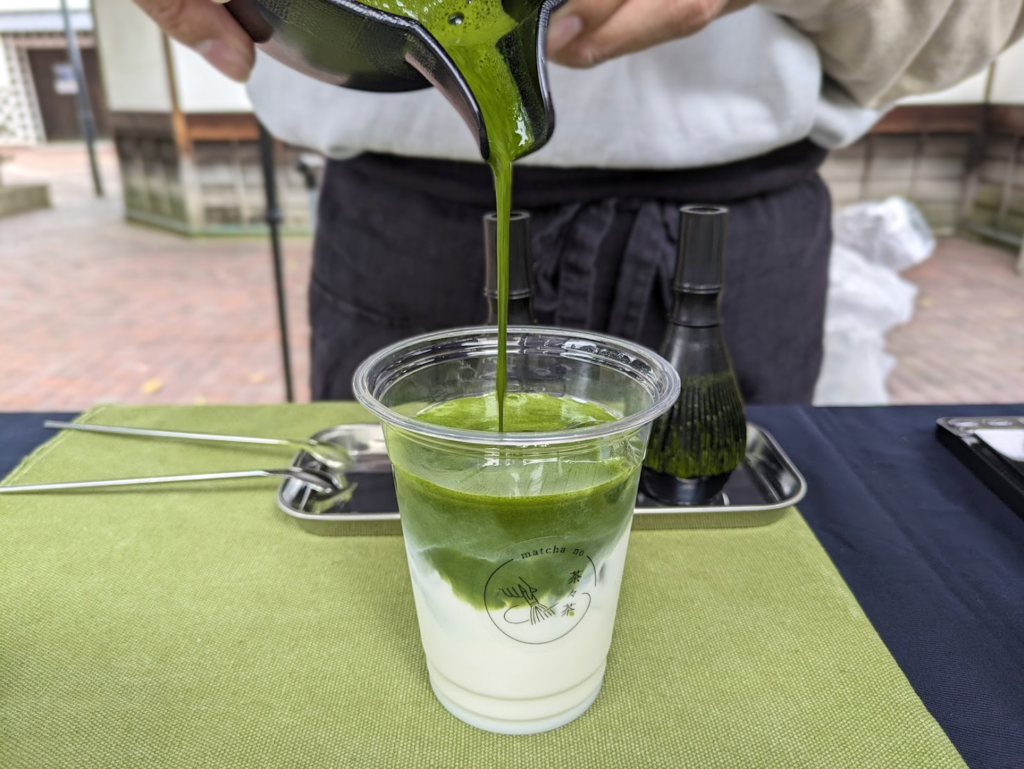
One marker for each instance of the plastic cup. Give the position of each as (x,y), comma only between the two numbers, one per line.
(516,541)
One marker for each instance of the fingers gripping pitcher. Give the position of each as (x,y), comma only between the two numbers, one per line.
(517,539)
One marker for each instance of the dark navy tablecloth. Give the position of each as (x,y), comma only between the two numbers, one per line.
(935,559)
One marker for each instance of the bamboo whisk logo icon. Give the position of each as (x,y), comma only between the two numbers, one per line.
(541,591)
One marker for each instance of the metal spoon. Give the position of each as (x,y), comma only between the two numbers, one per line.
(330,454)
(319,481)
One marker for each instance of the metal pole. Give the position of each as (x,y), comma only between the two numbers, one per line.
(85,118)
(274,217)
(307,165)
(1020,260)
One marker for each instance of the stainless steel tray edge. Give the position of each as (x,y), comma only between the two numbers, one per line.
(291,495)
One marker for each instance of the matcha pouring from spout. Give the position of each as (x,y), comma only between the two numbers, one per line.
(386,48)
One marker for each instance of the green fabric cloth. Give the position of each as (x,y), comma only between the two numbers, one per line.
(199,626)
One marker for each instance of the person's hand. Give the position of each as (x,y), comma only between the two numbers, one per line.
(207,27)
(584,33)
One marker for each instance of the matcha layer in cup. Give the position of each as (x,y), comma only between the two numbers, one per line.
(517,539)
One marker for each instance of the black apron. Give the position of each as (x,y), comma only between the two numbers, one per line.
(399,252)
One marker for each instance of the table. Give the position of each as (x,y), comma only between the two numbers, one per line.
(934,558)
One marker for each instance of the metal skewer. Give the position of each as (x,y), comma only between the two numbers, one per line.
(321,482)
(329,454)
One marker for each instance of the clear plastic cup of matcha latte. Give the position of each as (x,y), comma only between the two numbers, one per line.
(517,539)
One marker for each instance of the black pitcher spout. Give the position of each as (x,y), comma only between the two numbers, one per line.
(346,43)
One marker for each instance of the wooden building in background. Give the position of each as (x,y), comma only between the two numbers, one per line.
(959,155)
(186,137)
(37,84)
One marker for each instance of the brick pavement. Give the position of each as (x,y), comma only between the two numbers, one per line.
(96,310)
(965,343)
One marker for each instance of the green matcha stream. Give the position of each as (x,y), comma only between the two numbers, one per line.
(469,31)
(467,513)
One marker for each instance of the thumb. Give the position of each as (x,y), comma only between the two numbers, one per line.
(209,29)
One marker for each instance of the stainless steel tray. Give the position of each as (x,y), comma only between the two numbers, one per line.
(758,492)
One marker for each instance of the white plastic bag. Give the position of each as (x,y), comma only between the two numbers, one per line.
(854,371)
(864,302)
(865,297)
(891,233)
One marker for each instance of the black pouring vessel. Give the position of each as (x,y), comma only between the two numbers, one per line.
(346,43)
(696,445)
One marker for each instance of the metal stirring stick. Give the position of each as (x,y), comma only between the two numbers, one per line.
(321,482)
(330,454)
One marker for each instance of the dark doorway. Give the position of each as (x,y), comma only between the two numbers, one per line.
(56,92)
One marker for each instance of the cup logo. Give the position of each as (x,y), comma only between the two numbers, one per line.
(541,591)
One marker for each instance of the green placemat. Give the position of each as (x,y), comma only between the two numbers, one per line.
(201,627)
